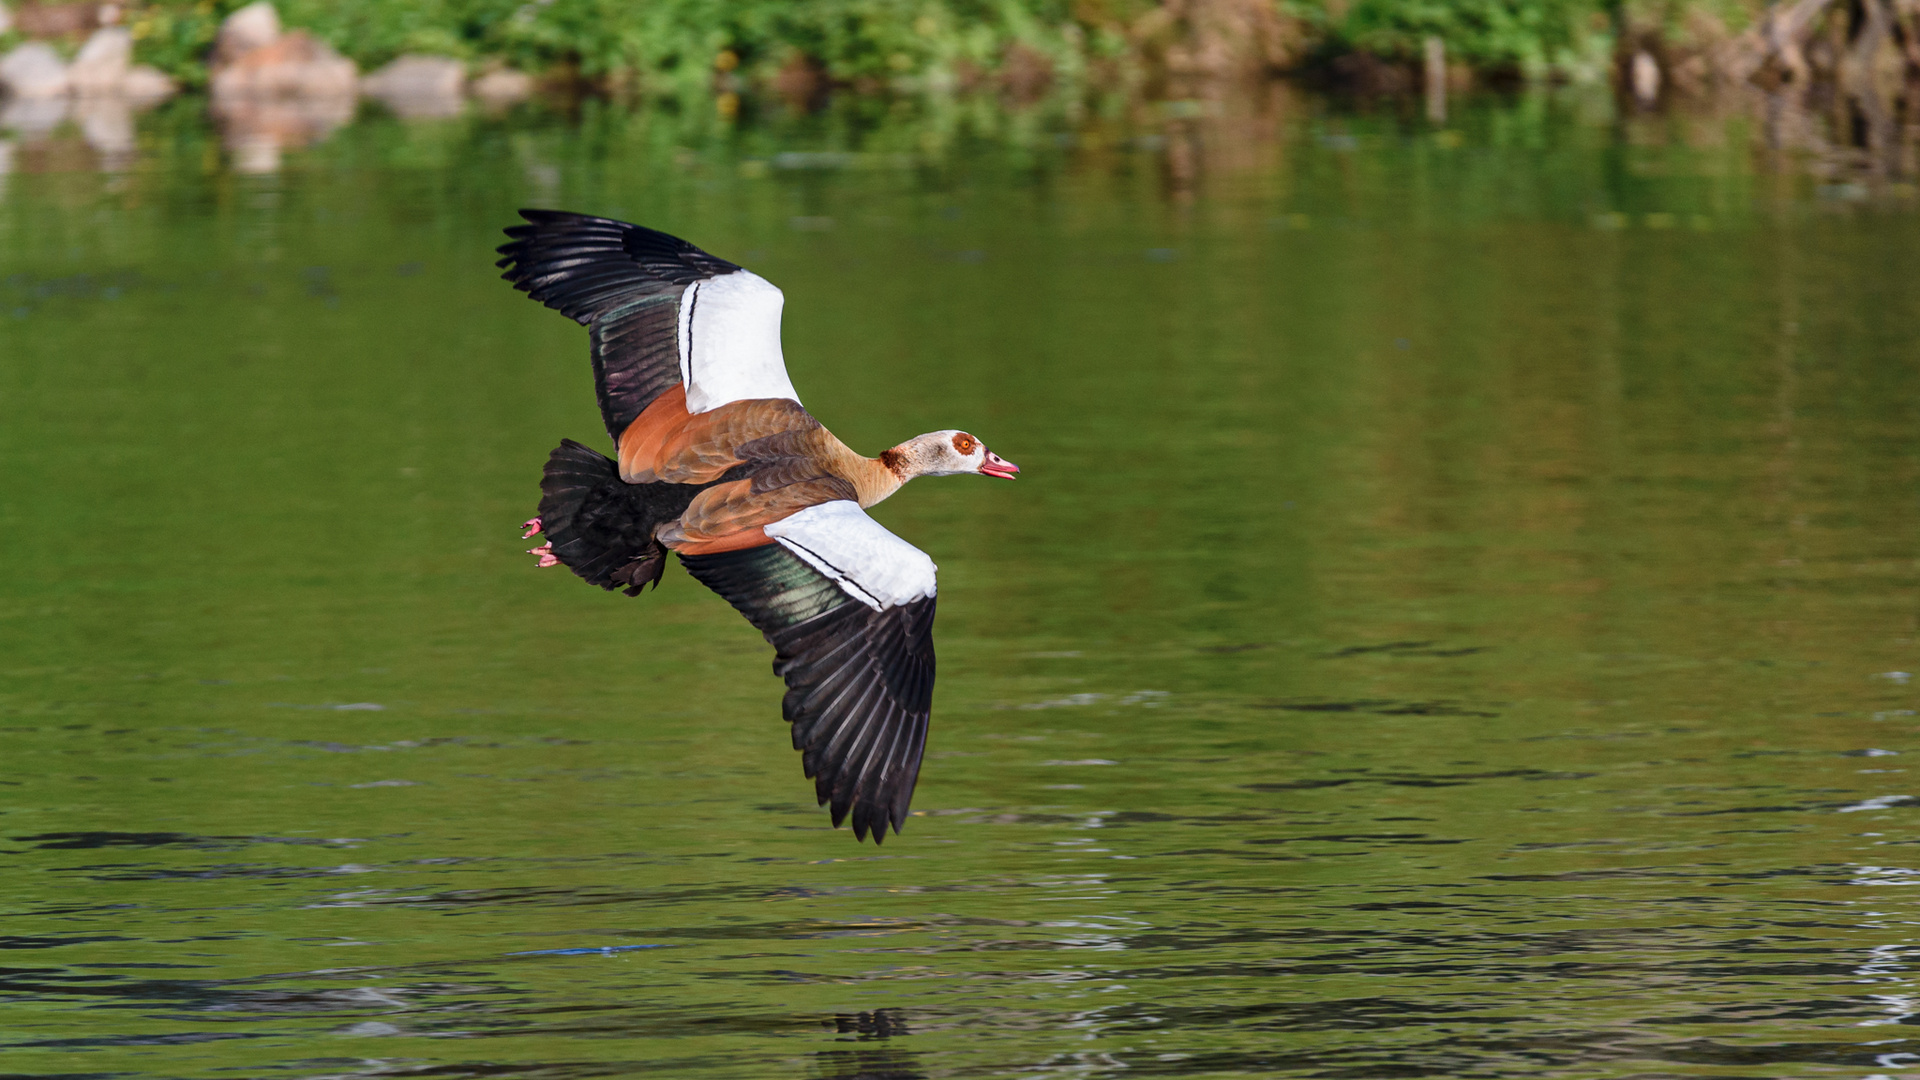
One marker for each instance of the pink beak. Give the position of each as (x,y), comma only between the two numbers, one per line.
(996,465)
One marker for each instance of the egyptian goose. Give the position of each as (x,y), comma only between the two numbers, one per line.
(718,462)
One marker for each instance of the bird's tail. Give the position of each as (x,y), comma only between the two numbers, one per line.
(600,526)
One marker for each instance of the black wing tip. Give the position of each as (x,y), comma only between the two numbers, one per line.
(859,683)
(864,826)
(582,265)
(859,695)
(872,813)
(539,221)
(536,216)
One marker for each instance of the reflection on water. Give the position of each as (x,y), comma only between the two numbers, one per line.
(257,129)
(1458,619)
(1861,139)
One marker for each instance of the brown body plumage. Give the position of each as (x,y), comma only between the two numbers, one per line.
(792,461)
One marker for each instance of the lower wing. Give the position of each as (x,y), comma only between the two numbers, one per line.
(849,609)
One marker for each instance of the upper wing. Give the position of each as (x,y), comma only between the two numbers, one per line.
(849,608)
(662,312)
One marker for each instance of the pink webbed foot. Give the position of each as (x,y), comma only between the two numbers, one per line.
(532,526)
(545,551)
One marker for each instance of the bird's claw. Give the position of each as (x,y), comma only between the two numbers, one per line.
(545,551)
(532,526)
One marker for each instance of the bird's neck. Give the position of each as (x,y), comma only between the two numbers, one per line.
(873,478)
(881,476)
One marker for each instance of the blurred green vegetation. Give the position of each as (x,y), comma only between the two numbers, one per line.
(699,46)
(1573,39)
(1530,35)
(678,45)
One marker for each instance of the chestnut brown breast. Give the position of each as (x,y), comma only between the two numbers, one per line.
(792,462)
(667,443)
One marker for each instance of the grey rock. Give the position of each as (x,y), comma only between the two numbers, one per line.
(255,26)
(102,63)
(33,70)
(296,64)
(145,84)
(502,86)
(419,85)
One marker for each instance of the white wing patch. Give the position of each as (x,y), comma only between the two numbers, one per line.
(874,566)
(730,341)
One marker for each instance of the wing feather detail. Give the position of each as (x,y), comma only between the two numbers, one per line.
(859,680)
(876,567)
(662,312)
(730,342)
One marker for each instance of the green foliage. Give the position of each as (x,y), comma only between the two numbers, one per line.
(175,37)
(373,32)
(660,44)
(1532,37)
(694,46)
(1685,22)
(1520,34)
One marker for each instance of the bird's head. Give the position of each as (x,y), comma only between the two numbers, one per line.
(946,453)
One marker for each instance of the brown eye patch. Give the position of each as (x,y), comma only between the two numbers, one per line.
(964,444)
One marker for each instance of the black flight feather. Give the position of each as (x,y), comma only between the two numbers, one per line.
(622,281)
(859,681)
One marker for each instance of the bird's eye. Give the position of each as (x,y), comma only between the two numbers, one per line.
(964,444)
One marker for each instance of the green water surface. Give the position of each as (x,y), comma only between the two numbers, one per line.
(1452,620)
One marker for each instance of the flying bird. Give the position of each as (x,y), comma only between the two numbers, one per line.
(717,461)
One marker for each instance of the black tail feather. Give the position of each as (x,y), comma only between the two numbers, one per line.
(602,527)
